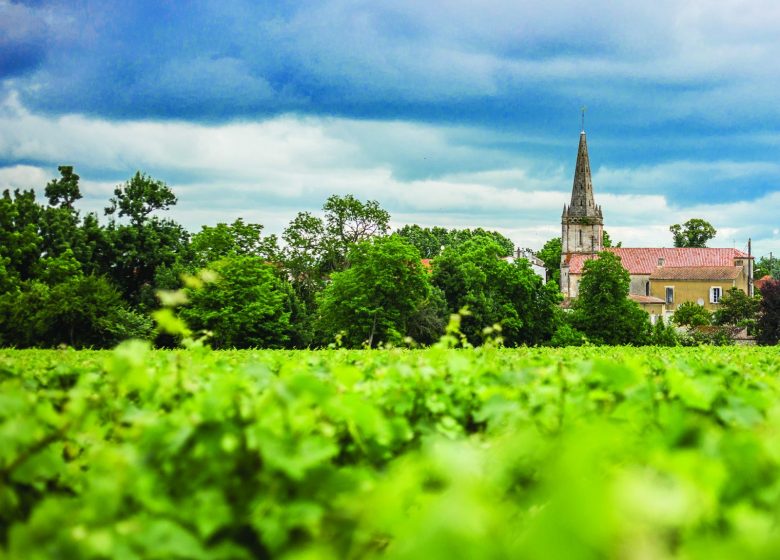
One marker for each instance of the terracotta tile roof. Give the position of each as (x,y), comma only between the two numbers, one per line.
(644,260)
(761,281)
(696,273)
(645,299)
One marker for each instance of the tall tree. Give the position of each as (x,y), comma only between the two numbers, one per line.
(767,266)
(373,300)
(431,241)
(474,275)
(603,310)
(693,233)
(148,243)
(139,197)
(349,221)
(237,239)
(249,306)
(63,192)
(20,240)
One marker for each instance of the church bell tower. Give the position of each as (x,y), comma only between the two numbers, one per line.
(582,225)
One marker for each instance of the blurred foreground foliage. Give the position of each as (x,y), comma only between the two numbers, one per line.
(576,453)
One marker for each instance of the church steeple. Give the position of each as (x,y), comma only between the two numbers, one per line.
(582,221)
(582,203)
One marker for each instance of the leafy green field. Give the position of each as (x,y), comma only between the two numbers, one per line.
(439,453)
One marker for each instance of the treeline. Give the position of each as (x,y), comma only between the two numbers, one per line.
(79,280)
(343,279)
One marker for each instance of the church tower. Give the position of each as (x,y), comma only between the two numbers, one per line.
(582,225)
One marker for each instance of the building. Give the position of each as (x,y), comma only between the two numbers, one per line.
(661,278)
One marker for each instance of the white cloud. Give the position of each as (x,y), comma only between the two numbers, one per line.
(267,171)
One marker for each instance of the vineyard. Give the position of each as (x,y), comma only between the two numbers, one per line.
(579,453)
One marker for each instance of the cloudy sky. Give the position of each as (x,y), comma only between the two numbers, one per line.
(455,113)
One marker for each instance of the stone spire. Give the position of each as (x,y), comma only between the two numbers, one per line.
(582,224)
(582,204)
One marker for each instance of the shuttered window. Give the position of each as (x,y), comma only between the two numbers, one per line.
(715,294)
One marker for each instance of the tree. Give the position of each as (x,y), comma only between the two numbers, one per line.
(736,308)
(237,239)
(249,306)
(474,275)
(693,233)
(304,255)
(603,310)
(349,221)
(691,314)
(139,197)
(606,241)
(63,192)
(373,300)
(769,313)
(428,241)
(431,241)
(767,266)
(550,255)
(20,240)
(137,250)
(78,310)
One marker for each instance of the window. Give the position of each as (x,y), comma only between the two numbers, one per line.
(647,288)
(669,294)
(715,294)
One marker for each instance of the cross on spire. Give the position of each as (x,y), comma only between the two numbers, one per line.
(584,108)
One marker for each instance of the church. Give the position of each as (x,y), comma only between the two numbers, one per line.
(661,278)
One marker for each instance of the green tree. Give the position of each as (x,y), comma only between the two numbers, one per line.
(474,275)
(664,334)
(606,241)
(249,306)
(767,266)
(550,255)
(691,314)
(136,251)
(78,310)
(769,313)
(373,300)
(237,239)
(603,310)
(349,221)
(430,241)
(20,240)
(736,308)
(693,233)
(137,198)
(63,192)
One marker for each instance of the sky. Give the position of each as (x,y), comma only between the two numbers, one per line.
(455,114)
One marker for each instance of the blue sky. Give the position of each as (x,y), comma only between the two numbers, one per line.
(454,113)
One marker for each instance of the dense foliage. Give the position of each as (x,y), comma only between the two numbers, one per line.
(693,233)
(373,300)
(431,241)
(603,310)
(487,453)
(68,279)
(496,292)
(769,313)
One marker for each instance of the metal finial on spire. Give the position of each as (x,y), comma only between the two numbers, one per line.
(584,108)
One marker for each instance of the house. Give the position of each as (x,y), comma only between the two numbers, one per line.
(661,278)
(536,264)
